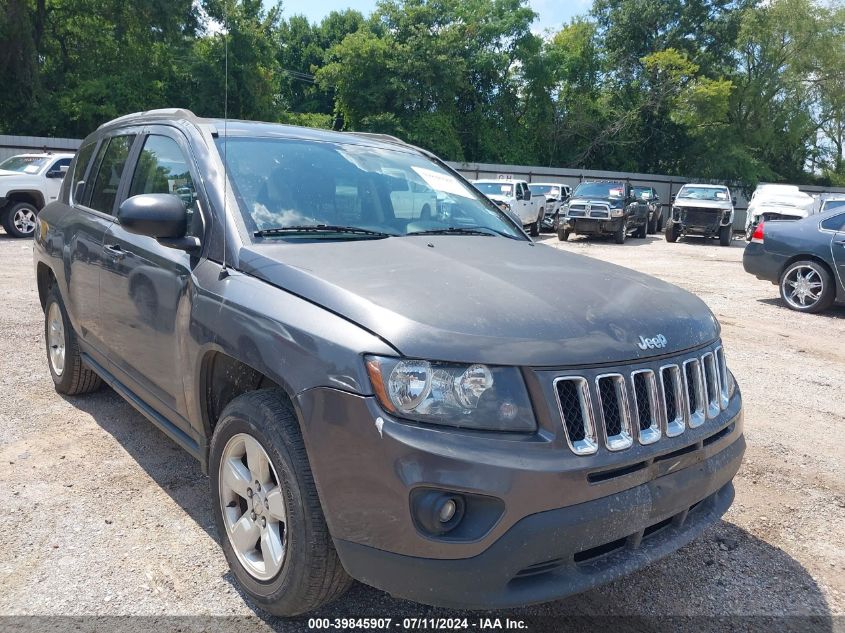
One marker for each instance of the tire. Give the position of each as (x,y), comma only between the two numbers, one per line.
(641,232)
(817,278)
(309,573)
(652,225)
(534,227)
(660,223)
(749,232)
(563,234)
(725,235)
(671,233)
(20,220)
(621,234)
(69,373)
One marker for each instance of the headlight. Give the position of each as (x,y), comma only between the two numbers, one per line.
(617,213)
(466,396)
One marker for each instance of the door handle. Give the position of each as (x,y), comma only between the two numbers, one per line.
(115,251)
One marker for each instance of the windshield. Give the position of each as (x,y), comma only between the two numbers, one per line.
(643,192)
(291,184)
(600,190)
(24,164)
(495,188)
(715,194)
(830,205)
(545,190)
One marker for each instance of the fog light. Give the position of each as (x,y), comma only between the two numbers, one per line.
(447,511)
(437,512)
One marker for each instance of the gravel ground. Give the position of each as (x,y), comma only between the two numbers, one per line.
(105,516)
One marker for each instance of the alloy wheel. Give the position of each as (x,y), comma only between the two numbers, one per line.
(56,338)
(24,221)
(803,287)
(253,507)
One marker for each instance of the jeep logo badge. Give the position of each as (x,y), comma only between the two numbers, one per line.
(658,342)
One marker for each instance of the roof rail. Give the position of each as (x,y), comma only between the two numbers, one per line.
(162,113)
(386,138)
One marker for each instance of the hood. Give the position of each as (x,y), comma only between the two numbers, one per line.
(613,202)
(703,204)
(487,299)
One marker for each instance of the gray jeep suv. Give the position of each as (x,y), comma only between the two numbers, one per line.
(396,398)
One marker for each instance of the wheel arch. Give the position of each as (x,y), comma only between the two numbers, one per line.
(223,377)
(31,196)
(806,257)
(45,279)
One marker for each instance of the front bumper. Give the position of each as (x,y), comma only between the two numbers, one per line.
(591,226)
(554,554)
(367,465)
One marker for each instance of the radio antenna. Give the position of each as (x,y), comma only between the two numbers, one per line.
(224,272)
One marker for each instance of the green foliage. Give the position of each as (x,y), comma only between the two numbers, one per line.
(736,89)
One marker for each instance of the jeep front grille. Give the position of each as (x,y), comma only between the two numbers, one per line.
(642,403)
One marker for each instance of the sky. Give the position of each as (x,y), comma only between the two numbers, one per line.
(553,13)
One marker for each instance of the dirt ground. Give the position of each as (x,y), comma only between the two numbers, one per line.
(103,515)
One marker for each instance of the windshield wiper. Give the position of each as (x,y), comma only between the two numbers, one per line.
(319,228)
(457,230)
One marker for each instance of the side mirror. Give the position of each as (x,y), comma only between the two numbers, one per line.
(733,202)
(527,195)
(161,216)
(56,173)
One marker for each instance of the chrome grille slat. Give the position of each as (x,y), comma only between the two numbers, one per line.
(722,368)
(694,390)
(646,405)
(710,377)
(671,385)
(576,411)
(614,410)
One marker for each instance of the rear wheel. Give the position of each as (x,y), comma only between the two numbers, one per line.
(271,526)
(70,375)
(725,235)
(20,220)
(671,232)
(807,286)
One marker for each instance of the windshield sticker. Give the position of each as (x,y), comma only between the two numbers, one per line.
(615,193)
(721,195)
(31,169)
(442,182)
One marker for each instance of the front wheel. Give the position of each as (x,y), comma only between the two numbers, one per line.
(652,225)
(671,232)
(271,526)
(621,233)
(20,220)
(641,232)
(725,235)
(807,286)
(563,234)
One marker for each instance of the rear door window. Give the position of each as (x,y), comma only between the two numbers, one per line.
(109,172)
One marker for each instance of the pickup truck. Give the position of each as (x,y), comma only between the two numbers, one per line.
(28,182)
(515,196)
(556,195)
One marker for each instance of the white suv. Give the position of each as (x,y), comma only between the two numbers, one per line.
(28,182)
